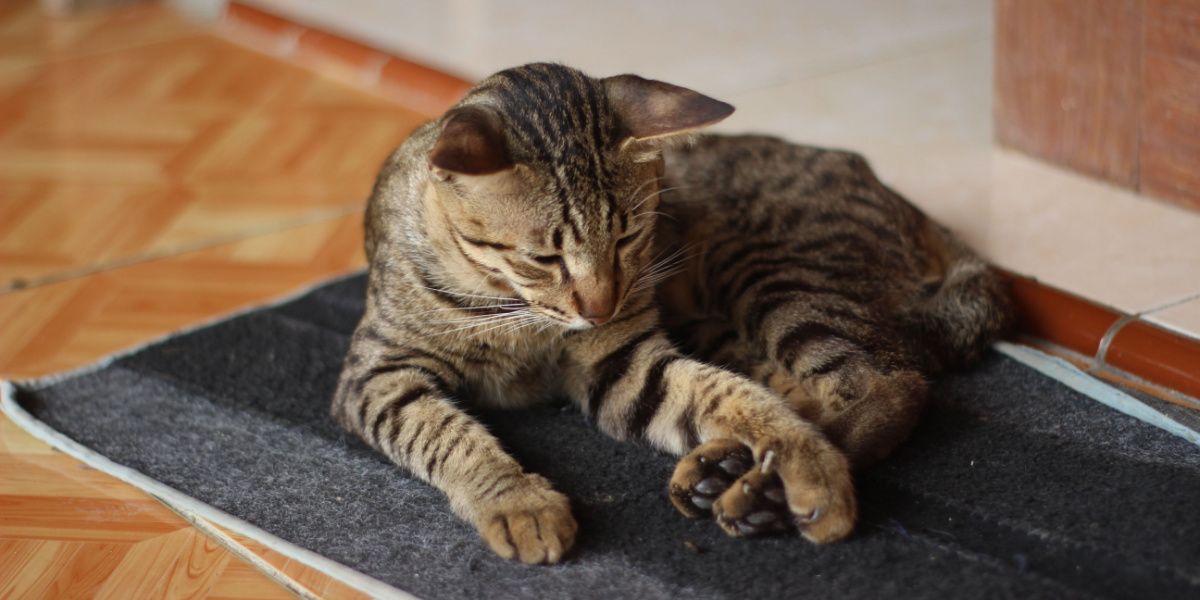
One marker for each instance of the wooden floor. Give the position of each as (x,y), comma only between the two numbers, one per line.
(152,176)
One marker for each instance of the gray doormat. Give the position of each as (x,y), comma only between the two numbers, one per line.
(1012,486)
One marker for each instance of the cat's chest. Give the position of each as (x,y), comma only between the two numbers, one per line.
(517,372)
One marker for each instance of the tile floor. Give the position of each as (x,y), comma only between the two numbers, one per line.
(141,191)
(906,82)
(153,176)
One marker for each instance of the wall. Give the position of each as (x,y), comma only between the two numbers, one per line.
(1107,87)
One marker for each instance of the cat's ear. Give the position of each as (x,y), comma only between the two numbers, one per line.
(650,109)
(471,142)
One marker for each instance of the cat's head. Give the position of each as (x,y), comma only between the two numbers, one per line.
(547,180)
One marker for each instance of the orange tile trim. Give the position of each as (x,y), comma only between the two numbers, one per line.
(1141,349)
(1157,355)
(1059,317)
(425,90)
(1136,347)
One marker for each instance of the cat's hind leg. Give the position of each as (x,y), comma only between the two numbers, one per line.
(864,409)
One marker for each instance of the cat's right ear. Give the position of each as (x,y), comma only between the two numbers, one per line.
(471,142)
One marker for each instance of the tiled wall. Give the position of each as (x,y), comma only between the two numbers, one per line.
(1107,87)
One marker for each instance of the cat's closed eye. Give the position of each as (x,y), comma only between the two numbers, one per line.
(553,259)
(629,237)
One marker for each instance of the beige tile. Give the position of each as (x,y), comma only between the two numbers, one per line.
(1070,231)
(949,181)
(715,46)
(1183,318)
(937,96)
(1090,238)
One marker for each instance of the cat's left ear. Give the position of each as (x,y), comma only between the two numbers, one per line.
(654,110)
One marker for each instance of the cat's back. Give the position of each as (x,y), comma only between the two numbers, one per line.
(762,188)
(747,171)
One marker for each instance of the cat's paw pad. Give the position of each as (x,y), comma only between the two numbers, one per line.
(754,504)
(533,525)
(705,473)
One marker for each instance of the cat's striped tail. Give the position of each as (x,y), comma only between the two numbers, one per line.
(959,317)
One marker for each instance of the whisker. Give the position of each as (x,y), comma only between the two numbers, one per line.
(482,318)
(485,321)
(655,193)
(678,254)
(660,273)
(644,184)
(514,305)
(659,269)
(653,212)
(466,295)
(501,326)
(529,323)
(650,282)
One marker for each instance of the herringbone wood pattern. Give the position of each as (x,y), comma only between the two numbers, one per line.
(158,147)
(153,176)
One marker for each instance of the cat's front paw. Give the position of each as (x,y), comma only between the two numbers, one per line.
(802,483)
(532,523)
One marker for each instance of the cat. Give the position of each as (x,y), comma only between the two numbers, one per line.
(769,312)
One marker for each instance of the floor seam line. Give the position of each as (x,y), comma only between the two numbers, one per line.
(1171,304)
(166,39)
(142,258)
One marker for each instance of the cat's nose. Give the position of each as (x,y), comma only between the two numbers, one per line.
(596,308)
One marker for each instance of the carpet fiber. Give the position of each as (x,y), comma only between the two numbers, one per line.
(1012,486)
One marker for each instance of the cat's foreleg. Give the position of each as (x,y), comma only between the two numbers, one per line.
(635,385)
(401,406)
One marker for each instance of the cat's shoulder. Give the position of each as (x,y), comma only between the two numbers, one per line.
(766,151)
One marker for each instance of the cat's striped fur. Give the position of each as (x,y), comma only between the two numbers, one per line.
(545,237)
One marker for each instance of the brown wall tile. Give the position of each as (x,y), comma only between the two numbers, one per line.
(1170,141)
(1067,73)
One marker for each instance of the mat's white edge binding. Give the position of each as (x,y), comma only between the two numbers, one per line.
(197,512)
(190,509)
(1072,377)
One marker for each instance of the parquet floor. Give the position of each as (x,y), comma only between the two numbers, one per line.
(153,176)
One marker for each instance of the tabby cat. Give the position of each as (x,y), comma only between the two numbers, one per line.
(768,311)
